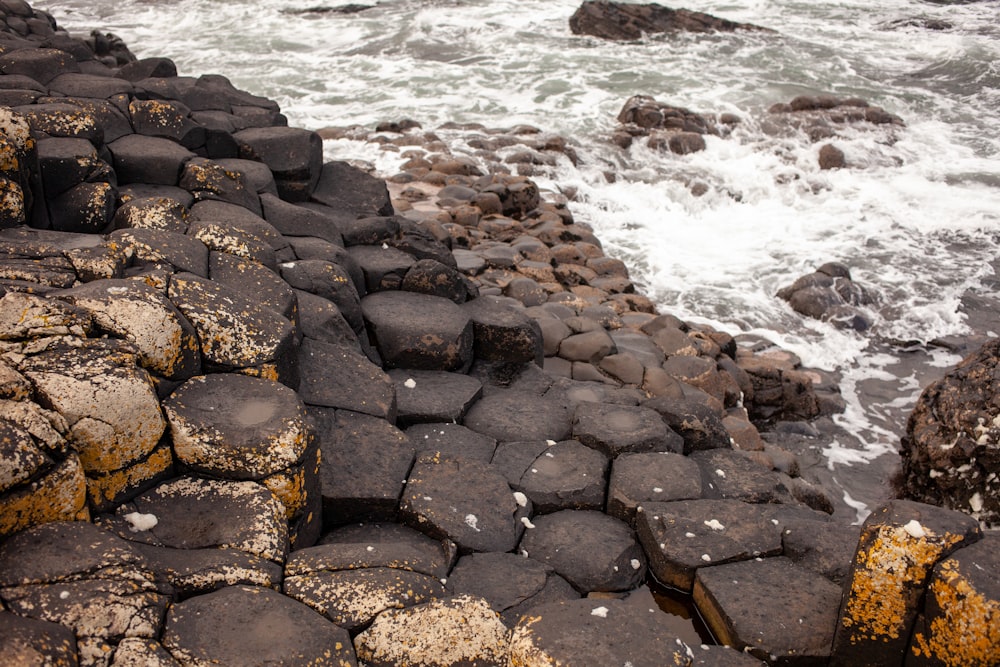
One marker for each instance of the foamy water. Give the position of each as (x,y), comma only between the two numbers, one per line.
(916,217)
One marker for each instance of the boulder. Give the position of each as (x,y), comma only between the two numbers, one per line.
(141,159)
(351,192)
(332,280)
(829,294)
(698,424)
(620,21)
(384,267)
(294,156)
(503,332)
(950,453)
(591,550)
(555,475)
(237,625)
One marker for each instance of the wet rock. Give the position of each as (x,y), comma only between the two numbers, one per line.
(829,294)
(681,537)
(769,607)
(730,474)
(960,613)
(511,583)
(618,21)
(831,157)
(900,544)
(617,429)
(510,415)
(455,631)
(234,331)
(826,548)
(949,451)
(419,331)
(780,392)
(591,550)
(597,631)
(555,476)
(251,625)
(824,116)
(466,501)
(166,341)
(365,461)
(29,641)
(80,576)
(653,477)
(339,376)
(433,396)
(451,440)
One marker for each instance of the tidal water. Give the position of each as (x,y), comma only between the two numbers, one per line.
(916,216)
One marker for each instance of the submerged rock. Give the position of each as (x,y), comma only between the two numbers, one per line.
(621,21)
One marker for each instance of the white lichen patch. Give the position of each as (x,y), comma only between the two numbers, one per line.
(914,529)
(976,502)
(601,612)
(472,521)
(706,558)
(527,522)
(520,499)
(635,563)
(139,522)
(719,472)
(410,383)
(714,524)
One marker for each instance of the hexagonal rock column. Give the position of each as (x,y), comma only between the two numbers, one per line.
(682,536)
(597,632)
(769,607)
(351,584)
(509,415)
(466,501)
(651,477)
(351,192)
(195,513)
(616,429)
(504,332)
(234,332)
(252,626)
(593,551)
(339,376)
(113,413)
(294,156)
(962,609)
(900,544)
(457,631)
(433,396)
(418,331)
(555,475)
(80,576)
(142,315)
(237,427)
(511,583)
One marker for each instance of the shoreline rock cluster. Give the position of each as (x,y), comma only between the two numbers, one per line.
(259,408)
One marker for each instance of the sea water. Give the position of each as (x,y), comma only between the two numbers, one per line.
(915,217)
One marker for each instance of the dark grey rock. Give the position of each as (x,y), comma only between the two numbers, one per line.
(433,396)
(429,276)
(141,159)
(255,281)
(251,625)
(699,425)
(351,191)
(41,65)
(510,415)
(293,220)
(339,376)
(593,551)
(729,474)
(294,156)
(652,477)
(330,281)
(384,267)
(365,461)
(617,429)
(418,331)
(451,440)
(503,332)
(28,641)
(160,246)
(824,547)
(680,537)
(555,476)
(321,320)
(393,545)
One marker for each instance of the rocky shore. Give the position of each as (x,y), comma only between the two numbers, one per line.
(261,408)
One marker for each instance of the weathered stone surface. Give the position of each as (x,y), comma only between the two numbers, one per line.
(769,607)
(597,631)
(826,548)
(67,162)
(370,230)
(332,281)
(900,544)
(28,316)
(28,641)
(337,376)
(140,159)
(433,396)
(365,461)
(292,220)
(361,545)
(294,156)
(511,415)
(235,332)
(503,332)
(555,475)
(161,246)
(429,276)
(511,583)
(237,427)
(617,429)
(466,501)
(680,537)
(140,652)
(251,625)
(591,550)
(353,598)
(729,474)
(959,623)
(699,425)
(452,441)
(384,267)
(80,576)
(652,477)
(613,20)
(152,213)
(194,513)
(42,65)
(351,192)
(950,452)
(59,495)
(255,281)
(167,120)
(461,630)
(419,331)
(222,237)
(130,309)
